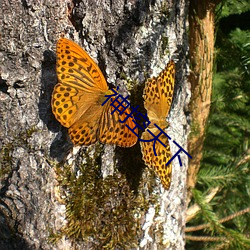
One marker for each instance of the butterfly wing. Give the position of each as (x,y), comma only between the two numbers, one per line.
(75,68)
(69,104)
(80,83)
(77,100)
(85,130)
(112,128)
(103,124)
(158,161)
(158,93)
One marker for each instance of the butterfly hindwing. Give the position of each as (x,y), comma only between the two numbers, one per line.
(113,127)
(158,161)
(83,134)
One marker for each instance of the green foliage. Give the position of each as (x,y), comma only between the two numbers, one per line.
(226,154)
(207,211)
(230,7)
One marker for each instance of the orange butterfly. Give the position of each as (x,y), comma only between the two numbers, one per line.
(157,94)
(78,97)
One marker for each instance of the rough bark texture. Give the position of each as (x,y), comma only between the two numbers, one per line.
(201,40)
(123,36)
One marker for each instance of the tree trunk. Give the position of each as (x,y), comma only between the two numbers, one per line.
(54,196)
(201,40)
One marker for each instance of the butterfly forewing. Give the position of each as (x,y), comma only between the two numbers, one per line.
(84,133)
(76,69)
(63,105)
(158,92)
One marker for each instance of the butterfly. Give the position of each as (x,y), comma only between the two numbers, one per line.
(157,95)
(77,100)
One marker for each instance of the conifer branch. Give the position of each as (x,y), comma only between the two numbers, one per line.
(205,238)
(194,209)
(230,217)
(245,159)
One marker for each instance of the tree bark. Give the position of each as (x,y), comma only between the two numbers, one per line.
(40,170)
(201,41)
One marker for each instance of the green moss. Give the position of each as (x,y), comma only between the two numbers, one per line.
(164,45)
(164,10)
(104,211)
(195,129)
(28,133)
(19,140)
(5,160)
(129,83)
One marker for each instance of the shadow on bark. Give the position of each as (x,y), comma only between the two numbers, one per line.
(131,165)
(9,239)
(61,145)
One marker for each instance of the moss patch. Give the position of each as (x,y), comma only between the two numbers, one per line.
(20,140)
(103,212)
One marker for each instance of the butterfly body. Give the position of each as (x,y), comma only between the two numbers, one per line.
(78,97)
(157,96)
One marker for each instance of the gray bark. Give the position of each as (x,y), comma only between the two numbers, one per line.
(123,36)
